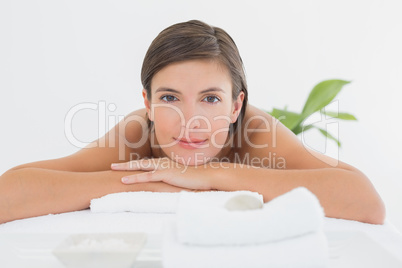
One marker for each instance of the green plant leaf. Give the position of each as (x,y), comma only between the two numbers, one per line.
(289,119)
(326,134)
(321,95)
(299,129)
(343,116)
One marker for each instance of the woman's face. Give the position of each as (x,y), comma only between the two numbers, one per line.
(192,108)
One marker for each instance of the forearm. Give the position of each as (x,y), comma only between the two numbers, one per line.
(32,192)
(342,193)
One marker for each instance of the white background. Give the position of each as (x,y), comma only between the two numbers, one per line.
(55,55)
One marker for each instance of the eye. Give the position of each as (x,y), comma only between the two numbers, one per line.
(168,98)
(211,99)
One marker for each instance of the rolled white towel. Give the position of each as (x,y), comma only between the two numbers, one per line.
(157,202)
(309,250)
(203,222)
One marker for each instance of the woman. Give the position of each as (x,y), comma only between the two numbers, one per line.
(196,132)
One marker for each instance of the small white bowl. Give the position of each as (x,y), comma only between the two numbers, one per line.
(100,250)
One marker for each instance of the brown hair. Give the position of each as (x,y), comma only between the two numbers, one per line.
(195,40)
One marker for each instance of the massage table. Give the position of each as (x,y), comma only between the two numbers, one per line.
(29,242)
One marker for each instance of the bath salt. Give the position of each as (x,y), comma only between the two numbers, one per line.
(104,244)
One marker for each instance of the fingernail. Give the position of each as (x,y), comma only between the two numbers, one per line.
(124,179)
(114,165)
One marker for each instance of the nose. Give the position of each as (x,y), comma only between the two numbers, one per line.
(192,120)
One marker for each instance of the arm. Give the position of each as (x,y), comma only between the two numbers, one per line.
(30,192)
(343,190)
(342,193)
(69,183)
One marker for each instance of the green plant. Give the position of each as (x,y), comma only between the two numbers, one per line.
(320,96)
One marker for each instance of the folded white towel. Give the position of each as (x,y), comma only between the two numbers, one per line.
(310,250)
(201,221)
(156,202)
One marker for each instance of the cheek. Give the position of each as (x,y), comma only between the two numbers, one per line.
(167,112)
(166,120)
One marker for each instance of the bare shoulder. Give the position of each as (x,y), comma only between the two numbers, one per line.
(258,121)
(134,125)
(256,117)
(269,138)
(125,141)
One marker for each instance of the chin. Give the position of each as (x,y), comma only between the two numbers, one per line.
(194,159)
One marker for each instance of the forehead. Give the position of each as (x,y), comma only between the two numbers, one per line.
(193,75)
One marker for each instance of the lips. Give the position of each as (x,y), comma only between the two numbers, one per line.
(192,143)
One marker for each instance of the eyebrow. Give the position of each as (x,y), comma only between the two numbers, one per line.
(212,89)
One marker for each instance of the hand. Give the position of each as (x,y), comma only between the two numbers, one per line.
(168,171)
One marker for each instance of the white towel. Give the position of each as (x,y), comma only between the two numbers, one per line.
(202,222)
(151,202)
(156,202)
(310,250)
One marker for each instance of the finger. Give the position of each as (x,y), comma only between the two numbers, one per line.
(122,166)
(149,176)
(143,164)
